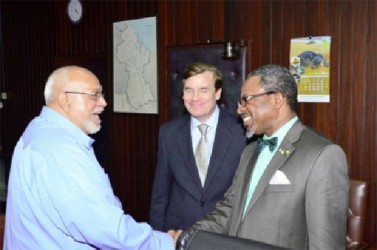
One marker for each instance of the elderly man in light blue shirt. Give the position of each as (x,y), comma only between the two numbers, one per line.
(59,197)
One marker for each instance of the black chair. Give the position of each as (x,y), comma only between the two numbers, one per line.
(193,239)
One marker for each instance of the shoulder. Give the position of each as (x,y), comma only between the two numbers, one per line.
(43,136)
(314,143)
(175,124)
(225,114)
(233,122)
(301,134)
(314,137)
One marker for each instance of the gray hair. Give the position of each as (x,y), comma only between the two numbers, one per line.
(277,78)
(57,76)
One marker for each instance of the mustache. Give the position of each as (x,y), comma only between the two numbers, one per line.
(100,111)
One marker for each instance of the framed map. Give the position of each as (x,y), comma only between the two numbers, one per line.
(135,66)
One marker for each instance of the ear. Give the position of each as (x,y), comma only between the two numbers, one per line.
(218,94)
(279,100)
(63,102)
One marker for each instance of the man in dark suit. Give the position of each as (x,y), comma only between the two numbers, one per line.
(186,188)
(291,186)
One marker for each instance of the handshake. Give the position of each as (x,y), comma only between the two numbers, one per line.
(175,235)
(181,238)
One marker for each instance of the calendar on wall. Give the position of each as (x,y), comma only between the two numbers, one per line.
(310,65)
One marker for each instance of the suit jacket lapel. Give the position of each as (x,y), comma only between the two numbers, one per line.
(219,149)
(185,148)
(284,151)
(245,185)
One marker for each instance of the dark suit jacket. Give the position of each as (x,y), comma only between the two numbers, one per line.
(178,199)
(309,212)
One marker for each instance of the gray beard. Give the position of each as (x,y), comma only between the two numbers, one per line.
(249,133)
(92,128)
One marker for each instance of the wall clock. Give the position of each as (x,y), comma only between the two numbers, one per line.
(74,11)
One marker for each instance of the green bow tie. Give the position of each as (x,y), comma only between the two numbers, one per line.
(271,143)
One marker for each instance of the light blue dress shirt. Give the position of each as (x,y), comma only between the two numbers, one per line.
(59,197)
(264,158)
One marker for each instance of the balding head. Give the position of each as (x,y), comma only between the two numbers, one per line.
(76,93)
(62,78)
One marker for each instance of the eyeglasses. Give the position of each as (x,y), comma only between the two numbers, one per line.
(96,96)
(244,99)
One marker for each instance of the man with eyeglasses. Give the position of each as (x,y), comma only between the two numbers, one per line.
(291,186)
(59,197)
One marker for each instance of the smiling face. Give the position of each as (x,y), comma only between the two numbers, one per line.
(85,109)
(259,113)
(85,112)
(200,95)
(76,93)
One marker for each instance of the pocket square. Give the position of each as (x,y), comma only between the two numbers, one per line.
(279,178)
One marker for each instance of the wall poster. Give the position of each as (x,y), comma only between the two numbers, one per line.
(310,65)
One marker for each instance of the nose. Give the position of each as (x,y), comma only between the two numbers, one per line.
(102,101)
(195,95)
(240,108)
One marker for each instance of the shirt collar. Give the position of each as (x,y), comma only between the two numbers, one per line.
(62,122)
(281,132)
(211,122)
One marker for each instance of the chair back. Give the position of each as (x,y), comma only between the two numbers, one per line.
(357,214)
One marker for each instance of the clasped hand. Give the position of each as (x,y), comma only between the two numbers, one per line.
(174,234)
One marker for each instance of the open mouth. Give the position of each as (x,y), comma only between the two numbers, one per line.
(97,118)
(245,119)
(96,115)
